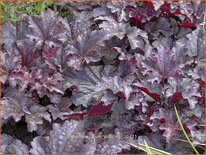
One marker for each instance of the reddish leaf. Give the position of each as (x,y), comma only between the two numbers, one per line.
(165,7)
(76,116)
(186,128)
(129,8)
(149,4)
(99,109)
(121,95)
(187,24)
(176,96)
(201,82)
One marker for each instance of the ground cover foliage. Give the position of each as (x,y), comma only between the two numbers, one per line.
(103,77)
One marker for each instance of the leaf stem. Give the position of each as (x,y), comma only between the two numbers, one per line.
(186,136)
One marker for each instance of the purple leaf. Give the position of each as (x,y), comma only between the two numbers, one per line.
(49,29)
(11,145)
(161,65)
(168,123)
(187,87)
(137,38)
(14,34)
(16,104)
(112,27)
(85,47)
(112,146)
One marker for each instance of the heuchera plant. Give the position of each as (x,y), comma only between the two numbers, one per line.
(113,70)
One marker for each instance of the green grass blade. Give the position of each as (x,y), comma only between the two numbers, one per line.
(186,136)
(155,150)
(152,152)
(152,149)
(147,148)
(182,140)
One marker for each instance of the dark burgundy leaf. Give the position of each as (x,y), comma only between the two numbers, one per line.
(176,96)
(76,116)
(99,109)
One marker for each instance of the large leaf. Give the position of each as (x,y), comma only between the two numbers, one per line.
(168,123)
(87,87)
(161,65)
(13,34)
(137,38)
(10,61)
(113,27)
(91,88)
(44,81)
(85,47)
(49,29)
